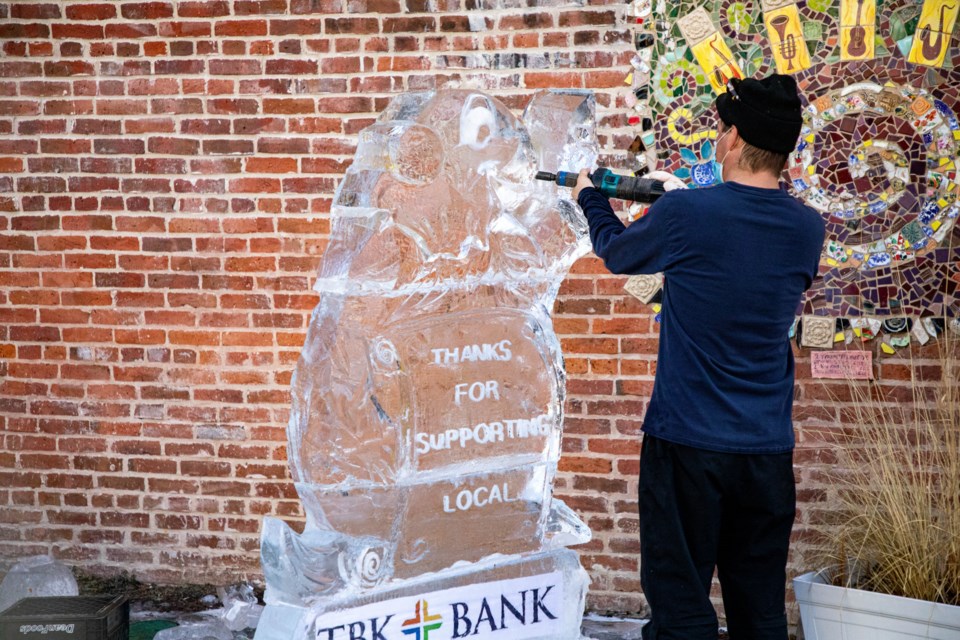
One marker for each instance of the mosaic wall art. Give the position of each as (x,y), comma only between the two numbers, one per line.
(879,149)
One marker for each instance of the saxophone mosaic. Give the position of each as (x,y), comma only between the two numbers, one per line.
(878,153)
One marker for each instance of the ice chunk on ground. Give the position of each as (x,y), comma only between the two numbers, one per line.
(241,610)
(36,576)
(608,628)
(196,627)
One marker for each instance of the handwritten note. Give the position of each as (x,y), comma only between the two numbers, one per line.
(853,365)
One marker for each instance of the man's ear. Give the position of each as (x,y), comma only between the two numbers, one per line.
(735,139)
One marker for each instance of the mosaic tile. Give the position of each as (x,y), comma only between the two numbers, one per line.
(878,155)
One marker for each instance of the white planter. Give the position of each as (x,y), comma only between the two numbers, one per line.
(838,613)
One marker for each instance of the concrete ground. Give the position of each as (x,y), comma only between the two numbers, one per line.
(603,628)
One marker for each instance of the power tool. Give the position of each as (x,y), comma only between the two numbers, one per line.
(611,184)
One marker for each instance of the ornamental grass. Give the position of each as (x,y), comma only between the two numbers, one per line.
(898,486)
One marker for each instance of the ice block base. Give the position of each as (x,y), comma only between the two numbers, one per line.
(535,597)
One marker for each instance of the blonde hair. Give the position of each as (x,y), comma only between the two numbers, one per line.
(758,160)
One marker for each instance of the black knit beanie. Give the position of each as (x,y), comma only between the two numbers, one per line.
(766,112)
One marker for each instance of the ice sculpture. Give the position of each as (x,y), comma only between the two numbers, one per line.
(428,400)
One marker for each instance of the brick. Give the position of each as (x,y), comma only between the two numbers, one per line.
(374,6)
(17,243)
(146,10)
(421,24)
(603,79)
(232,106)
(302,27)
(289,105)
(254,185)
(306,185)
(549,79)
(44,89)
(146,185)
(20,146)
(273,471)
(19,70)
(16,49)
(119,146)
(324,165)
(18,107)
(234,48)
(176,106)
(316,6)
(37,127)
(259,7)
(24,31)
(91,183)
(86,299)
(291,67)
(209,126)
(100,11)
(526,20)
(83,126)
(35,223)
(351,25)
(65,146)
(34,334)
(38,11)
(211,9)
(196,186)
(271,165)
(69,31)
(205,468)
(227,147)
(130,31)
(241,28)
(235,67)
(72,518)
(154,48)
(585,465)
(173,146)
(42,184)
(152,86)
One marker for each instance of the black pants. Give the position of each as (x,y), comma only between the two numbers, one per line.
(700,510)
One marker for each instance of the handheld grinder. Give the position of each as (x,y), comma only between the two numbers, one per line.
(611,184)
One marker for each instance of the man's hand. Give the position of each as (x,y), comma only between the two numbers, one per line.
(583,181)
(670,181)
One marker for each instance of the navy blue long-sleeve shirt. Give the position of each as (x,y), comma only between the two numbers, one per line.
(736,260)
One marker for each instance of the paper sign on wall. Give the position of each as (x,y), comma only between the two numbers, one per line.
(842,365)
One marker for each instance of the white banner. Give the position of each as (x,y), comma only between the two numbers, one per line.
(514,609)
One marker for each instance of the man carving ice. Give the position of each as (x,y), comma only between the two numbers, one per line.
(716,468)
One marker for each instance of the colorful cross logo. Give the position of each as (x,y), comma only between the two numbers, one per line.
(422,622)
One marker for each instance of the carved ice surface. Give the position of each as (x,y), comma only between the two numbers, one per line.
(428,400)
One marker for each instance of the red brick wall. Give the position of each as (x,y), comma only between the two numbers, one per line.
(166,171)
